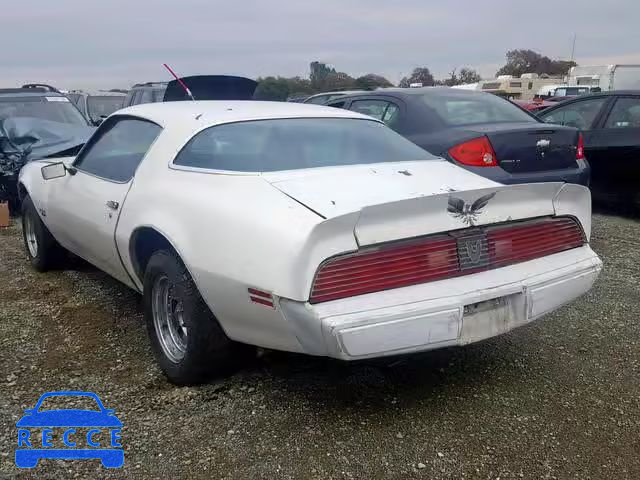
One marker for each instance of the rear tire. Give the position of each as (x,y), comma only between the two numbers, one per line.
(187,340)
(43,250)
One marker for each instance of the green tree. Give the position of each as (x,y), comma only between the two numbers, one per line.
(319,72)
(419,75)
(371,81)
(272,88)
(468,75)
(338,81)
(521,61)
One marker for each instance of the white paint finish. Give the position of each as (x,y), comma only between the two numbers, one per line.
(426,215)
(544,298)
(575,200)
(338,190)
(402,334)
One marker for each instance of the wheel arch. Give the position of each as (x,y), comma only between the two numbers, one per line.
(143,243)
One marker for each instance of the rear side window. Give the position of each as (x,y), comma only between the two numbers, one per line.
(459,110)
(625,113)
(288,144)
(116,150)
(579,114)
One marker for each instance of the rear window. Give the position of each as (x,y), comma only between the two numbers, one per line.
(288,144)
(458,110)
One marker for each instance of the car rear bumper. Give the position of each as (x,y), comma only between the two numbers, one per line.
(580,175)
(439,314)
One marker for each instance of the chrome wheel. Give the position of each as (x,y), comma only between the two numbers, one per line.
(168,319)
(30,236)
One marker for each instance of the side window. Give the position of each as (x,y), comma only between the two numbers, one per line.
(336,104)
(625,114)
(147,96)
(391,115)
(117,149)
(579,114)
(373,108)
(128,100)
(319,100)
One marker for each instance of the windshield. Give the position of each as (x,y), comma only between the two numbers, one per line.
(56,109)
(458,110)
(288,144)
(103,106)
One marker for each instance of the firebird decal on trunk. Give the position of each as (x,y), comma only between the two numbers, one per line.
(468,213)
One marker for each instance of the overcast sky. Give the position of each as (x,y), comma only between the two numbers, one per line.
(115,43)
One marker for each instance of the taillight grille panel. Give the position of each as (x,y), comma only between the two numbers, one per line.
(437,257)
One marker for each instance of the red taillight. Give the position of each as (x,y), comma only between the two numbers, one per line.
(436,257)
(476,153)
(580,148)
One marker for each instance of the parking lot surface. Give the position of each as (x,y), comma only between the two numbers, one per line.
(558,399)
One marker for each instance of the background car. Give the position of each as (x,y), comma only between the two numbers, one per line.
(203,87)
(39,101)
(481,132)
(322,98)
(610,124)
(96,107)
(36,105)
(533,106)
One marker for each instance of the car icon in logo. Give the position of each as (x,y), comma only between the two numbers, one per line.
(43,433)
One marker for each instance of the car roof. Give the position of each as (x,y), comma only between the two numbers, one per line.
(28,92)
(609,93)
(202,113)
(337,92)
(412,92)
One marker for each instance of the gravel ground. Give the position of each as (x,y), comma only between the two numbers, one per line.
(557,399)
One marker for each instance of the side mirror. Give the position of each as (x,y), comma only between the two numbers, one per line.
(109,411)
(53,170)
(29,411)
(97,121)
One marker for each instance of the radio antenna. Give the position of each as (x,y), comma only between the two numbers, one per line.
(182,84)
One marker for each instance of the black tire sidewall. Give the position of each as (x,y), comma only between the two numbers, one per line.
(46,244)
(208,349)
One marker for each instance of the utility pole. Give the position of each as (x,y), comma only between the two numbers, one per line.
(573,49)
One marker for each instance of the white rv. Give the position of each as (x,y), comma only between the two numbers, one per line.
(606,77)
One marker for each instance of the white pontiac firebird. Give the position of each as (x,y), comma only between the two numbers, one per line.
(302,228)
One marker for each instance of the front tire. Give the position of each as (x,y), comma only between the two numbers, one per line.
(42,249)
(187,340)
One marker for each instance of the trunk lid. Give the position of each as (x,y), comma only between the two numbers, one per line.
(411,199)
(531,147)
(334,191)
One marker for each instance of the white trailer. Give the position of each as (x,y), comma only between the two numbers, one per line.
(606,77)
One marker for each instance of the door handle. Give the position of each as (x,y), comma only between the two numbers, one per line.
(113,205)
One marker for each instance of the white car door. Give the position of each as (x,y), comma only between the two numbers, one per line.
(83,207)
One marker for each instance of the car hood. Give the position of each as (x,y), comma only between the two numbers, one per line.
(211,87)
(69,418)
(23,139)
(333,191)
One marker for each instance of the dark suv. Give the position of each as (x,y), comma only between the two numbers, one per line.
(202,87)
(28,105)
(39,101)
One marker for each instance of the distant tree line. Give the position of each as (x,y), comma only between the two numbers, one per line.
(325,78)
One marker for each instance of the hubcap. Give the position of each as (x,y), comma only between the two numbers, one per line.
(168,319)
(30,236)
